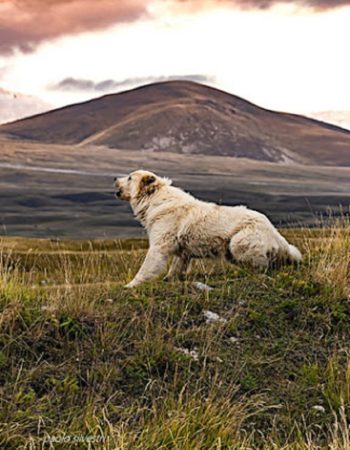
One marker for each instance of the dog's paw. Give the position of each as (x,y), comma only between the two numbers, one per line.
(131,285)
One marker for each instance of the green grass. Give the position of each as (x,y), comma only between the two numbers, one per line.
(85,363)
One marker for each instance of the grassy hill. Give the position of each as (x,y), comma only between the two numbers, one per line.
(85,362)
(184,117)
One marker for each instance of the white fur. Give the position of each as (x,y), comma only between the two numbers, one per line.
(181,226)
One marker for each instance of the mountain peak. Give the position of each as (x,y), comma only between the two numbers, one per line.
(187,117)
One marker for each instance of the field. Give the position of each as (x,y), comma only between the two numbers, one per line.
(67,192)
(88,364)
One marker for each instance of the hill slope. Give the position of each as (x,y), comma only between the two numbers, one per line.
(85,361)
(187,117)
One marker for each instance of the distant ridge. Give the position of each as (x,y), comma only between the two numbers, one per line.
(188,117)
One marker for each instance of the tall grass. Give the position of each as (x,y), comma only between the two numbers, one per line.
(84,362)
(328,255)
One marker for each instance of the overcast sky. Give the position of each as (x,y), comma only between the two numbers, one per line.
(283,55)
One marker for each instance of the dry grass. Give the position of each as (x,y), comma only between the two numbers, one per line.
(84,362)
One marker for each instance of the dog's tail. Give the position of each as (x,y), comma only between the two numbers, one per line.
(287,253)
(294,255)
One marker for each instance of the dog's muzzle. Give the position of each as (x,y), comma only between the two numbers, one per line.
(118,192)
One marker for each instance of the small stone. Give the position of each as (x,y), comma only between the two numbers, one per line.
(109,300)
(233,340)
(191,353)
(211,317)
(319,408)
(202,286)
(49,308)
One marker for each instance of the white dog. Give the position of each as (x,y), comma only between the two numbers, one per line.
(181,226)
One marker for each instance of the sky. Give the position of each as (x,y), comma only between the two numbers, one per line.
(282,55)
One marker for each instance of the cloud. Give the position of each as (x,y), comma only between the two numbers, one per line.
(26,23)
(14,105)
(76,84)
(314,4)
(3,71)
(262,4)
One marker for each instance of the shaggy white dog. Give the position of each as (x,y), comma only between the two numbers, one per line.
(181,226)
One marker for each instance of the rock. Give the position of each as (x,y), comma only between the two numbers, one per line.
(319,408)
(211,317)
(191,353)
(202,286)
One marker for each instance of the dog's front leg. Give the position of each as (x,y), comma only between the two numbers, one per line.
(153,265)
(178,268)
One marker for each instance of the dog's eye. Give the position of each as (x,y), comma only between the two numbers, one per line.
(129,178)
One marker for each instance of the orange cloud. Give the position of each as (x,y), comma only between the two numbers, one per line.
(26,23)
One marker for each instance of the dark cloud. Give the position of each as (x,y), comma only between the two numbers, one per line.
(264,4)
(315,4)
(26,23)
(76,84)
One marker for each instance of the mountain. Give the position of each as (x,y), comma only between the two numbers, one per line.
(340,118)
(14,105)
(187,117)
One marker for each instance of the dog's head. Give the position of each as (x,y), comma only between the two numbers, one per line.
(138,185)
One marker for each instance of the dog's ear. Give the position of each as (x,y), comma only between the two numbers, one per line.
(148,186)
(148,179)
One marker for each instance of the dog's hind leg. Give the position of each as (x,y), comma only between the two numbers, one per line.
(247,247)
(178,268)
(153,265)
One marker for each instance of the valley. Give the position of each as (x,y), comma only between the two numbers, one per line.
(67,191)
